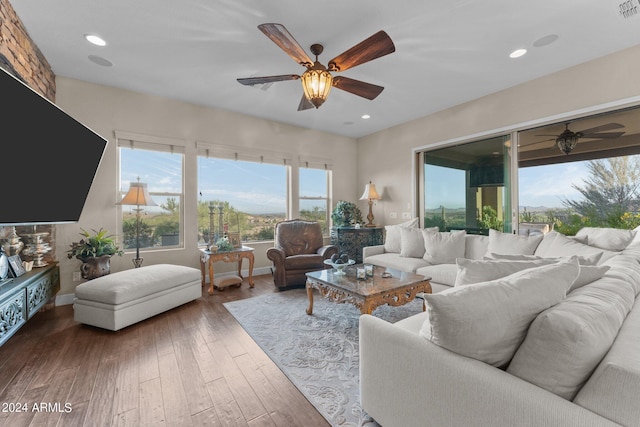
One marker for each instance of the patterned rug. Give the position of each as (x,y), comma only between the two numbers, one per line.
(319,353)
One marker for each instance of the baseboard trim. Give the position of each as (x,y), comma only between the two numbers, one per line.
(67,299)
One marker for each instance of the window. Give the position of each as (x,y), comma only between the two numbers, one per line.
(594,185)
(252,195)
(159,166)
(314,196)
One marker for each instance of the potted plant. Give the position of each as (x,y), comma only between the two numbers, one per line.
(95,251)
(346,214)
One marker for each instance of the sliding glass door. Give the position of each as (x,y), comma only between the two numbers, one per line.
(467,186)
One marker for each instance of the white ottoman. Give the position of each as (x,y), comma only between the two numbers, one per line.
(127,297)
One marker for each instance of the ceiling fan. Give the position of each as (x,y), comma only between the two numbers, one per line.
(317,79)
(568,139)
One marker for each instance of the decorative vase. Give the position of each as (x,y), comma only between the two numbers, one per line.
(93,268)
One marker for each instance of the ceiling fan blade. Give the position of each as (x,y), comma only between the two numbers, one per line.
(305,104)
(377,45)
(280,36)
(605,135)
(250,81)
(608,126)
(537,142)
(356,87)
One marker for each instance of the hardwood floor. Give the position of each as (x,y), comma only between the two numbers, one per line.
(193,365)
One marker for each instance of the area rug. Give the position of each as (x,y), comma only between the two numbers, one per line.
(318,353)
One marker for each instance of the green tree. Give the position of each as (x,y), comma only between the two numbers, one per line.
(610,190)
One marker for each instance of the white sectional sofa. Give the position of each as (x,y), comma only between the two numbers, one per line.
(553,344)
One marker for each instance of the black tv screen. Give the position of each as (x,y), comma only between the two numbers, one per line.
(486,176)
(49,159)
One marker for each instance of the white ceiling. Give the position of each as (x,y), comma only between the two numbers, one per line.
(447,52)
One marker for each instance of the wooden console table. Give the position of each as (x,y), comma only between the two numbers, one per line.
(208,258)
(22,297)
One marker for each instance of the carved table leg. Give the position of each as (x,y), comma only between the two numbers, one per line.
(211,276)
(310,295)
(251,261)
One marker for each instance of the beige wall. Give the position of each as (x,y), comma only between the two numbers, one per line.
(105,110)
(386,157)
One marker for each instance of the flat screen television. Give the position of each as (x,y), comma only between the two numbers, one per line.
(486,175)
(48,159)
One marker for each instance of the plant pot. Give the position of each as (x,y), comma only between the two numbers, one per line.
(96,267)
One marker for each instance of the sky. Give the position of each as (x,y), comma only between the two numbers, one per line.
(261,188)
(256,188)
(538,186)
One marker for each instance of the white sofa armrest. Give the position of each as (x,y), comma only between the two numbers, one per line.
(368,251)
(405,380)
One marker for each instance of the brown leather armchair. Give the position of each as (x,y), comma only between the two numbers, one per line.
(299,248)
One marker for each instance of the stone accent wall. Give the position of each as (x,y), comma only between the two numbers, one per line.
(23,54)
(34,69)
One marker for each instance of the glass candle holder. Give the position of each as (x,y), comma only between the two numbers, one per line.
(368,269)
(361,273)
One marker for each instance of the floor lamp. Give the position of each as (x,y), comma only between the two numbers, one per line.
(370,194)
(138,195)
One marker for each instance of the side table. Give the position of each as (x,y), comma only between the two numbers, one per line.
(208,258)
(351,240)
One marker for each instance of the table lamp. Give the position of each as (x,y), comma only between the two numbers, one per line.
(370,194)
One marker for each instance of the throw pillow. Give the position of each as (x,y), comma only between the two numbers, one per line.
(443,247)
(411,242)
(588,274)
(472,271)
(506,243)
(488,321)
(564,246)
(392,235)
(612,239)
(566,342)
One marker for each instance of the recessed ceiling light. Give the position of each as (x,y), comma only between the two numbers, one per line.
(100,60)
(93,39)
(366,116)
(546,40)
(517,53)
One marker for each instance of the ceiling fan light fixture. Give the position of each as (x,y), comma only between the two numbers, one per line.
(566,143)
(316,84)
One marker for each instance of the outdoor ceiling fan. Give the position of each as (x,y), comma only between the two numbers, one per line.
(568,139)
(317,79)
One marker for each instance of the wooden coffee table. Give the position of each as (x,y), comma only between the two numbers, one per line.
(370,293)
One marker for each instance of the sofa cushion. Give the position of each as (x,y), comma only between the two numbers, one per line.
(564,246)
(411,242)
(394,260)
(488,321)
(565,343)
(470,271)
(443,247)
(441,273)
(506,243)
(592,259)
(475,246)
(612,239)
(392,235)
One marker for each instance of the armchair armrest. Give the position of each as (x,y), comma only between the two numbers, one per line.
(276,255)
(327,251)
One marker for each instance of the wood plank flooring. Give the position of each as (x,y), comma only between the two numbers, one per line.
(191,366)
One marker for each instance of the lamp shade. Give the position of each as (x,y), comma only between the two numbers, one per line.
(370,192)
(138,195)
